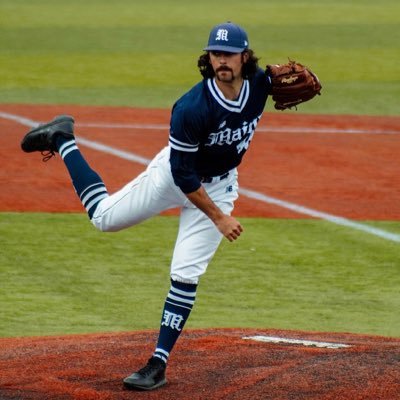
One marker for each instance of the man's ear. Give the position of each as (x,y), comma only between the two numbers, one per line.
(245,57)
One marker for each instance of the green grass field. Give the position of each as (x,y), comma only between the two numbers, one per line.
(58,275)
(130,52)
(62,276)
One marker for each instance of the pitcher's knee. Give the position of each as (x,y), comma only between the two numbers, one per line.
(104,224)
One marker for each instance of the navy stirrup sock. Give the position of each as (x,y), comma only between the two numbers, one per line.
(87,183)
(178,305)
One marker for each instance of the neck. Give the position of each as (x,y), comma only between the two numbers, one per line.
(230,90)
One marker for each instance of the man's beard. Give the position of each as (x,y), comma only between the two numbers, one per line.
(227,77)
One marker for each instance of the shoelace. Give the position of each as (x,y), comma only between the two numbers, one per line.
(48,155)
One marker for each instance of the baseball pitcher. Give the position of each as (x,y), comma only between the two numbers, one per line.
(211,128)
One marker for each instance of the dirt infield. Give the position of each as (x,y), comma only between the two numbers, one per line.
(347,166)
(208,364)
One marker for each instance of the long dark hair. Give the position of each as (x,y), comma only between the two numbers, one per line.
(248,69)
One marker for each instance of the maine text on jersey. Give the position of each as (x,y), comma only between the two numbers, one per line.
(228,136)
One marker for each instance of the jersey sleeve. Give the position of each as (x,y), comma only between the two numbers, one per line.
(184,140)
(263,80)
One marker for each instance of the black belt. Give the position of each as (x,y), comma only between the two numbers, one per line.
(210,179)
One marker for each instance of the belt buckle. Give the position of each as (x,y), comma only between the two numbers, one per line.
(224,176)
(210,179)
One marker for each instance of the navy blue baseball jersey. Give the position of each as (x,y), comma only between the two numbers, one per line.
(210,134)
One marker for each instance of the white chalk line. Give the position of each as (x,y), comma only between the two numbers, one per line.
(271,129)
(243,191)
(163,127)
(302,342)
(321,215)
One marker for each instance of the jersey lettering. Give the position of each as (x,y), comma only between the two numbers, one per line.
(244,144)
(228,136)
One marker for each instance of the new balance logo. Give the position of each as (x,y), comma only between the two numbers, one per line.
(172,320)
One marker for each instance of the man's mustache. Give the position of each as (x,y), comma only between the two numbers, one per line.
(223,68)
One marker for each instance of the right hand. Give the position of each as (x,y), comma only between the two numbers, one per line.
(229,226)
(226,224)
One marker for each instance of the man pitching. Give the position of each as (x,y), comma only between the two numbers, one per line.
(211,128)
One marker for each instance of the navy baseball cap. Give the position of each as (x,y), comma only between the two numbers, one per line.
(227,37)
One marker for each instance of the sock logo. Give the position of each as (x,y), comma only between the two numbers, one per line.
(172,320)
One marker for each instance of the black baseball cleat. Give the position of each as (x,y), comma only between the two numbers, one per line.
(44,136)
(150,377)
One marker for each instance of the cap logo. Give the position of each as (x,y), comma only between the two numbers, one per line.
(222,34)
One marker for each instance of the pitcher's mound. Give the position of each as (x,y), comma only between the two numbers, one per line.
(206,364)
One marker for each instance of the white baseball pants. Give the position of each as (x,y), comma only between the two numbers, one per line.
(154,191)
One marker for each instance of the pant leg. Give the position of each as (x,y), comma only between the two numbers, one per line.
(198,238)
(152,192)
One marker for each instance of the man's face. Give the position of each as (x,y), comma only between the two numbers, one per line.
(227,66)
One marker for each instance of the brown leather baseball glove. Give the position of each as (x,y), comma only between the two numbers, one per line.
(292,84)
